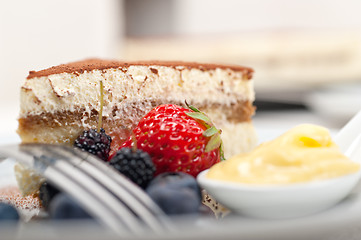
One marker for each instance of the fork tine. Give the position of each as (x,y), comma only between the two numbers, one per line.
(119,178)
(121,213)
(87,198)
(77,177)
(129,193)
(49,169)
(102,177)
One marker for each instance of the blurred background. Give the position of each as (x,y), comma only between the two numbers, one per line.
(306,54)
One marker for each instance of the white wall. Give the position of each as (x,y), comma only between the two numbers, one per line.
(217,16)
(38,34)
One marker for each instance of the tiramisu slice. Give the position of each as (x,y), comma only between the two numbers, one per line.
(58,103)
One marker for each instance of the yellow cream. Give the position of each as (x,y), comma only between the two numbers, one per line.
(304,153)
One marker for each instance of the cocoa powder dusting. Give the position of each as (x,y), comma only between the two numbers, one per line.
(100,64)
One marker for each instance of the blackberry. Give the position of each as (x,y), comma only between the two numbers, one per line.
(46,194)
(137,165)
(96,143)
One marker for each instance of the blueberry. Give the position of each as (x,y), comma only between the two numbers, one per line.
(176,193)
(47,192)
(65,207)
(8,212)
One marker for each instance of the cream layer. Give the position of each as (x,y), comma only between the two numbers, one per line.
(73,91)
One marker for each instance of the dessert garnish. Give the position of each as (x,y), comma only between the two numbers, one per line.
(46,194)
(176,193)
(96,142)
(178,139)
(8,212)
(135,164)
(65,207)
(215,140)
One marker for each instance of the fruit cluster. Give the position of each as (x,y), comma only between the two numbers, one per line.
(163,155)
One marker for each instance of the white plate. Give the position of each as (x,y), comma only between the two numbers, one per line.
(339,222)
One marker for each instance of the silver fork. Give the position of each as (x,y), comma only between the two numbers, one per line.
(107,195)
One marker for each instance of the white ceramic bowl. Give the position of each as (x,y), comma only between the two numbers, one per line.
(279,201)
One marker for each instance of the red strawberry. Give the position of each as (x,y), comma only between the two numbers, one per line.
(178,139)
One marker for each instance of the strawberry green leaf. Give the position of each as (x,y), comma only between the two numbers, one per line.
(199,116)
(210,131)
(221,152)
(214,142)
(192,107)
